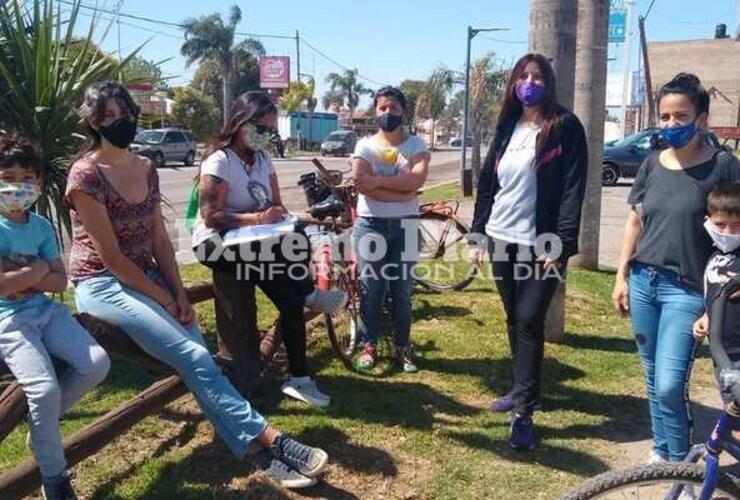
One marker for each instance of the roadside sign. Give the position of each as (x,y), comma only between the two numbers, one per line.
(617,25)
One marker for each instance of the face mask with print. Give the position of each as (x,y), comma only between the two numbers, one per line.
(725,242)
(18,196)
(253,139)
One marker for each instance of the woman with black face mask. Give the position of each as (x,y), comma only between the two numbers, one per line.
(389,168)
(124,270)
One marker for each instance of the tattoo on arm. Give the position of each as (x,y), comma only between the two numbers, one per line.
(210,203)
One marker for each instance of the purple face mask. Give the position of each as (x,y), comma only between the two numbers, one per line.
(529,93)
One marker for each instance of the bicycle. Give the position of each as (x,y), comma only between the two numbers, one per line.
(668,480)
(332,203)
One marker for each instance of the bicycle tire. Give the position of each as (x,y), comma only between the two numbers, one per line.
(469,270)
(665,473)
(343,327)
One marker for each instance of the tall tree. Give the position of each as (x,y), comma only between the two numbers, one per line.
(487,84)
(451,117)
(208,37)
(552,32)
(349,88)
(300,97)
(411,89)
(195,111)
(207,78)
(589,105)
(433,97)
(332,99)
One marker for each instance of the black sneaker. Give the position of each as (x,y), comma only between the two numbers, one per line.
(307,460)
(281,473)
(58,488)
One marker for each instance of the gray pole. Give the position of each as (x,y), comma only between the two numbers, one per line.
(298,55)
(466,174)
(589,100)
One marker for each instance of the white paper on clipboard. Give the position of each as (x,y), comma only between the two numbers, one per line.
(248,234)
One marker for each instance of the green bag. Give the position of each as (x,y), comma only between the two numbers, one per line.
(191,212)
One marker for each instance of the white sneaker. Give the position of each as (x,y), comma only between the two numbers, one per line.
(326,301)
(655,458)
(304,389)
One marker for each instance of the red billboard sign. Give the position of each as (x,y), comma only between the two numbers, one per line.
(275,72)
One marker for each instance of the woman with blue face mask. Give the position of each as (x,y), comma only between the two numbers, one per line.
(527,213)
(664,252)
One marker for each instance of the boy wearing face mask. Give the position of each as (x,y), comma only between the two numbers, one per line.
(723,226)
(389,168)
(33,328)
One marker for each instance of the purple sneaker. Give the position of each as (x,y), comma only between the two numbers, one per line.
(522,433)
(502,404)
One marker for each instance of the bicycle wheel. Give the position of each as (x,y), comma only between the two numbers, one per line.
(343,327)
(653,482)
(443,264)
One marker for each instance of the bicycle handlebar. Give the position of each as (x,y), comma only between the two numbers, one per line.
(716,346)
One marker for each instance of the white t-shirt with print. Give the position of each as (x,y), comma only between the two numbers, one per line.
(249,186)
(388,161)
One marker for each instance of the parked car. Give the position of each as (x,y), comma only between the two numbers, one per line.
(457,142)
(624,157)
(339,143)
(165,144)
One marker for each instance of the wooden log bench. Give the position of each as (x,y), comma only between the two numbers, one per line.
(25,478)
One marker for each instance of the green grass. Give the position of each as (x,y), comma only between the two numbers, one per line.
(423,436)
(446,191)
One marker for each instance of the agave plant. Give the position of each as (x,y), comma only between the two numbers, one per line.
(44,70)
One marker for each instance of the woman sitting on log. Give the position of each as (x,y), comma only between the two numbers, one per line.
(124,270)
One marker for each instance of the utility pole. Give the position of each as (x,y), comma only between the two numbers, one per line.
(627,65)
(552,32)
(298,56)
(648,79)
(589,106)
(466,174)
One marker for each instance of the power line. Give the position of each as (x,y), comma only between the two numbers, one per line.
(499,40)
(342,66)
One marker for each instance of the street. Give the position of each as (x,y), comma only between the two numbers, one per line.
(176,181)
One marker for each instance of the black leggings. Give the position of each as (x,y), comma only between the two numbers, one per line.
(526,291)
(236,309)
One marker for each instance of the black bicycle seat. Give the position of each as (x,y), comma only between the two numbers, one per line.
(330,207)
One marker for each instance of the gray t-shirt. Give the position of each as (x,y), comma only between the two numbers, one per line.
(249,186)
(388,161)
(514,208)
(672,205)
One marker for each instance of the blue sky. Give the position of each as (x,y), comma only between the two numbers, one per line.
(388,40)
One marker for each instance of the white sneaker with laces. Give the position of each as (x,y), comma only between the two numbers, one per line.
(304,389)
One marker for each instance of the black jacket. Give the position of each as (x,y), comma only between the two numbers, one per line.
(561,181)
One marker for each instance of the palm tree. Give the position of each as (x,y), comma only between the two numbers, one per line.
(487,83)
(44,71)
(433,96)
(300,96)
(208,37)
(346,87)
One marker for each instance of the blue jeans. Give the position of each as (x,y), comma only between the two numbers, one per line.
(386,251)
(181,347)
(28,340)
(663,311)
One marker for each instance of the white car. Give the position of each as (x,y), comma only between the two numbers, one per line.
(165,144)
